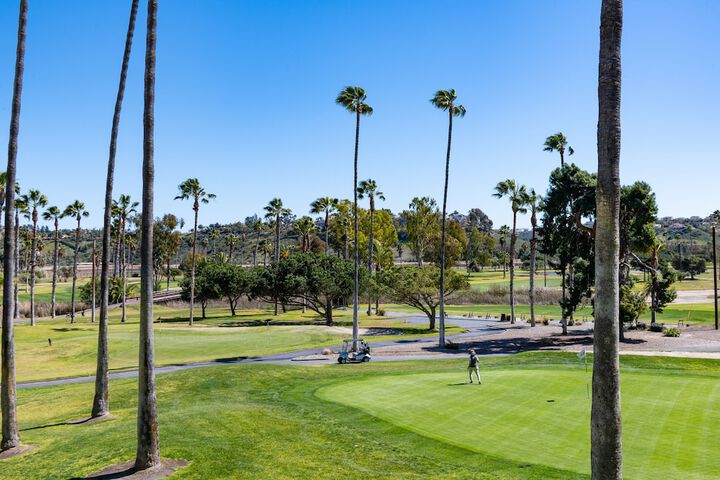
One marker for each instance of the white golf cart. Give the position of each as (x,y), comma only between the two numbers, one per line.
(359,355)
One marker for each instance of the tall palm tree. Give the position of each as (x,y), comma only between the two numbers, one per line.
(504,233)
(76,210)
(231,240)
(445,101)
(326,205)
(20,207)
(52,214)
(100,401)
(605,421)
(267,249)
(276,212)
(92,281)
(558,143)
(33,199)
(3,180)
(368,188)
(148,449)
(123,208)
(191,189)
(533,201)
(353,100)
(305,227)
(258,227)
(214,235)
(10,430)
(518,196)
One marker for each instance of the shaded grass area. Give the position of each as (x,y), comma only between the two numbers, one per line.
(269,421)
(74,346)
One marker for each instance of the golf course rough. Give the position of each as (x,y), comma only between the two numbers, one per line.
(541,416)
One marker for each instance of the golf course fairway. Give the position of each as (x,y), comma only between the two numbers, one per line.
(542,416)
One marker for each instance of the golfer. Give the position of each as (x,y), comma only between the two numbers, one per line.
(473,366)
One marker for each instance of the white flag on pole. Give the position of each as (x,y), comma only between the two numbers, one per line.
(581,354)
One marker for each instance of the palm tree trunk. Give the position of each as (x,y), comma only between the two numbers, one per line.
(192,263)
(33,261)
(442,233)
(75,262)
(533,248)
(356,252)
(100,400)
(370,249)
(94,260)
(277,250)
(148,449)
(327,231)
(606,424)
(123,276)
(10,430)
(167,288)
(257,244)
(513,239)
(16,302)
(56,241)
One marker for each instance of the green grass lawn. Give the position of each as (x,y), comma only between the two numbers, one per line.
(488,279)
(540,416)
(74,346)
(693,314)
(389,421)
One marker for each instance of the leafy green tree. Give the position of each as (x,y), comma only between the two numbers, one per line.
(632,303)
(326,206)
(308,280)
(33,199)
(518,196)
(353,99)
(340,223)
(558,143)
(456,242)
(191,189)
(166,243)
(85,292)
(691,265)
(419,287)
(231,241)
(479,250)
(422,222)
(476,218)
(445,100)
(76,210)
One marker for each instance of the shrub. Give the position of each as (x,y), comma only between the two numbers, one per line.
(656,327)
(546,322)
(671,332)
(381,312)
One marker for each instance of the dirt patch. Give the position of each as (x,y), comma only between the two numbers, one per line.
(700,342)
(14,452)
(127,471)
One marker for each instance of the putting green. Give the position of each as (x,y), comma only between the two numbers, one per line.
(541,416)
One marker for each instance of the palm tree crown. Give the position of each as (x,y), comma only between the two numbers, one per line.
(323,205)
(34,199)
(51,214)
(275,209)
(517,194)
(191,188)
(76,209)
(558,143)
(445,101)
(353,99)
(369,188)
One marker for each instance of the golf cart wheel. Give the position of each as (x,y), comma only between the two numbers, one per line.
(341,360)
(366,359)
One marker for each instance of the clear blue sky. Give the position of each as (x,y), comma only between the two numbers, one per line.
(245,94)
